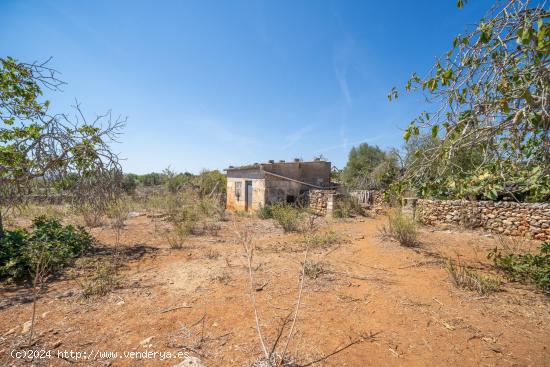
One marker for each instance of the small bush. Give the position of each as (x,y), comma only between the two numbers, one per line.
(314,270)
(401,228)
(57,245)
(212,255)
(347,207)
(223,278)
(287,216)
(190,214)
(527,268)
(322,240)
(176,238)
(100,278)
(118,212)
(206,226)
(91,214)
(466,278)
(265,212)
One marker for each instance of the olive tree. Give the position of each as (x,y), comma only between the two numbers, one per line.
(41,152)
(491,92)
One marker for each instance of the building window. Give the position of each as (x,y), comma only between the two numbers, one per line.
(238,186)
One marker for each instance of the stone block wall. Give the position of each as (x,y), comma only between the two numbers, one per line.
(321,201)
(507,218)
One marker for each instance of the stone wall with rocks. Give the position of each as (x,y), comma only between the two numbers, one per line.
(368,198)
(507,218)
(321,202)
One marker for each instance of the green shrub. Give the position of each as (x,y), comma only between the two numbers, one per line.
(55,244)
(401,228)
(287,216)
(130,183)
(100,277)
(322,240)
(527,268)
(466,278)
(314,270)
(265,212)
(347,207)
(191,214)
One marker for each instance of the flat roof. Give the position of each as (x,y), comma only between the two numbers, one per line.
(266,164)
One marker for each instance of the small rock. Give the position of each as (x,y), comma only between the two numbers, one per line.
(146,343)
(26,327)
(45,314)
(190,362)
(120,303)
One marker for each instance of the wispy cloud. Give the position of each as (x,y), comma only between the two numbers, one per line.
(344,88)
(221,133)
(296,136)
(346,145)
(342,58)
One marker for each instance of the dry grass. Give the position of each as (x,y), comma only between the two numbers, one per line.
(322,240)
(212,255)
(466,278)
(314,270)
(100,277)
(400,228)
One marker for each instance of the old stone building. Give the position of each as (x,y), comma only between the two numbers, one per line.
(253,186)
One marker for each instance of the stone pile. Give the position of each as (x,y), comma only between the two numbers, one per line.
(531,220)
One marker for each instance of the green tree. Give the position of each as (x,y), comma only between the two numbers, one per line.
(129,183)
(387,171)
(491,91)
(38,149)
(211,182)
(362,160)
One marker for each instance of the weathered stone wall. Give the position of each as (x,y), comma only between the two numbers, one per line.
(321,201)
(508,218)
(368,198)
(235,199)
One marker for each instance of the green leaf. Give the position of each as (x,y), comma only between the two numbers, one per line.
(435,130)
(407,135)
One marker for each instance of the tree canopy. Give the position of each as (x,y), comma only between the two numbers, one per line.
(490,127)
(43,150)
(369,167)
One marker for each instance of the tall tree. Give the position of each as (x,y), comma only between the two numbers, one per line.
(492,96)
(361,162)
(43,150)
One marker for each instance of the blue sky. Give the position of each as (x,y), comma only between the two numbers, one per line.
(208,84)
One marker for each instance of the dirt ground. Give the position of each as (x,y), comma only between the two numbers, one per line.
(398,302)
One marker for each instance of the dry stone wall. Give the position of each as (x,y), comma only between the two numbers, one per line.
(531,220)
(321,201)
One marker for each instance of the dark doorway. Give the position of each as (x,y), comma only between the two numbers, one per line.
(248,195)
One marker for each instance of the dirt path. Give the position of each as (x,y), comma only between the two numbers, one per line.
(194,300)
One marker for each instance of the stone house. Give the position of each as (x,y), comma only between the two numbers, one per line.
(253,186)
